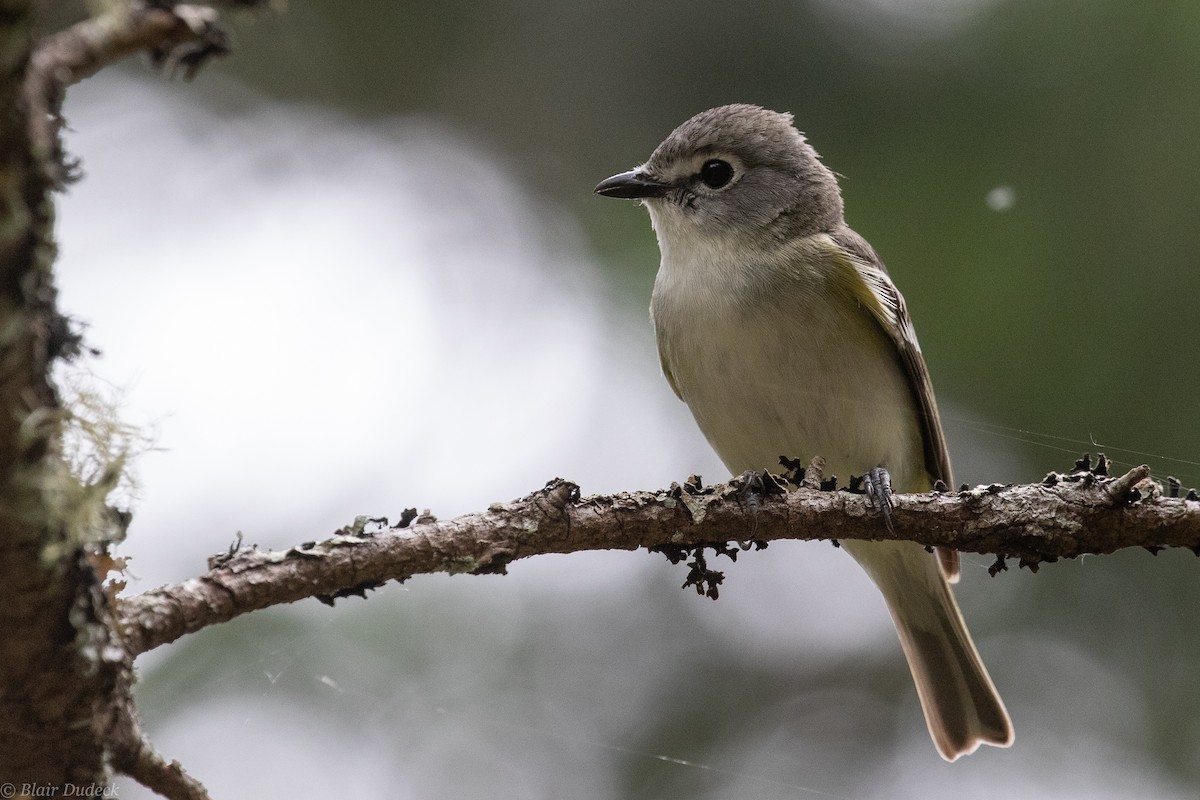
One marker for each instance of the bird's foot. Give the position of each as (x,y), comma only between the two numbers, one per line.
(877,486)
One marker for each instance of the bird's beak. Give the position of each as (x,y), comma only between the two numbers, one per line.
(632,184)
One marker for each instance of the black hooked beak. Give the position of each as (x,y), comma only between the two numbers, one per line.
(632,184)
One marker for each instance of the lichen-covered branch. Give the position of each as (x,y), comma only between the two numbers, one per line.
(66,705)
(1062,517)
(181,38)
(150,769)
(52,677)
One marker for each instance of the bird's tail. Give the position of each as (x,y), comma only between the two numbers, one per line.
(961,705)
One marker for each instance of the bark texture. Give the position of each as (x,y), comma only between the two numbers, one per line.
(1062,517)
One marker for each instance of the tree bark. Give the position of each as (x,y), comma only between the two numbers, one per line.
(1063,517)
(56,653)
(66,709)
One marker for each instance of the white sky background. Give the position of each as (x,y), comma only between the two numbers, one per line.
(321,319)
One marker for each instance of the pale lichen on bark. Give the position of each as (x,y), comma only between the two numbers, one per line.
(1030,523)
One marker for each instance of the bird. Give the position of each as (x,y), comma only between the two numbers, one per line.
(781,329)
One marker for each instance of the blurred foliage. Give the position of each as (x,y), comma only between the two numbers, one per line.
(1068,320)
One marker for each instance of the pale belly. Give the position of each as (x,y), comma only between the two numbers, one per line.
(799,382)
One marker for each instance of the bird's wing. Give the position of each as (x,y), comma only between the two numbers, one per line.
(878,294)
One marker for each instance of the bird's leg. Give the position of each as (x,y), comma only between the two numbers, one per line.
(877,485)
(756,486)
(753,491)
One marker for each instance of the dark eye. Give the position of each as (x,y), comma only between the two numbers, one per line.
(716,173)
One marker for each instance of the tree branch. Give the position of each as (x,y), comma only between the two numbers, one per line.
(56,666)
(177,37)
(66,706)
(168,779)
(1062,517)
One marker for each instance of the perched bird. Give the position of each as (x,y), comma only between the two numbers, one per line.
(779,327)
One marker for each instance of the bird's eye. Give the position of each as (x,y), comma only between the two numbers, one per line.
(716,173)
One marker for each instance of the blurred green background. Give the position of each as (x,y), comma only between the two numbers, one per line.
(1029,172)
